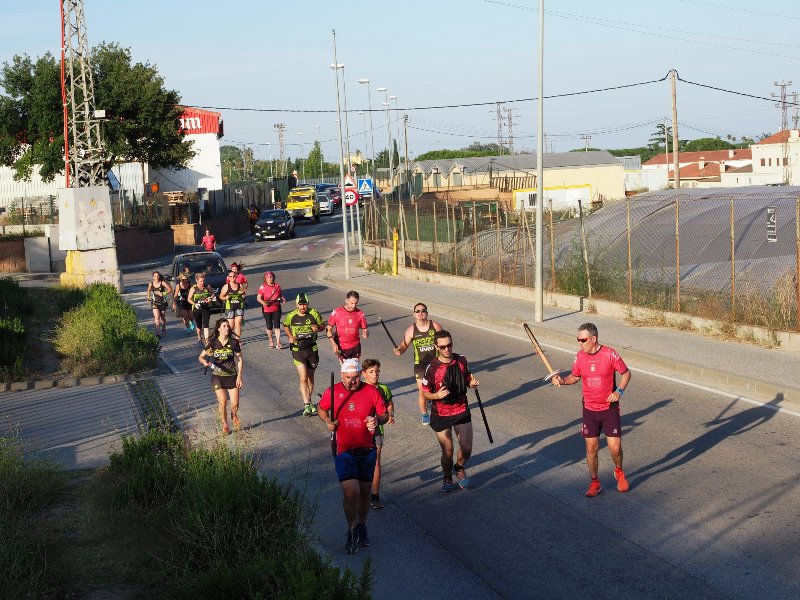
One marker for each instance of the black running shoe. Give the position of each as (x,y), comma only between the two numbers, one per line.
(351,544)
(363,538)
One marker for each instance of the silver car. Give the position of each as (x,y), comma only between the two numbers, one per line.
(325,203)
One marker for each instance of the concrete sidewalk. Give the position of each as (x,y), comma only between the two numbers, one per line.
(743,370)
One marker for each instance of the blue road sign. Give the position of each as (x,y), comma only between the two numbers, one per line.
(365,187)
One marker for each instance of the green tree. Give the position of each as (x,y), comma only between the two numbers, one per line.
(142,116)
(705,144)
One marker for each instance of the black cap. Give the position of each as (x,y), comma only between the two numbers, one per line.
(302,298)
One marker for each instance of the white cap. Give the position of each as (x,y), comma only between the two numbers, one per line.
(351,364)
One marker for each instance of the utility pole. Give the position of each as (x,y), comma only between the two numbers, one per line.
(675,161)
(510,115)
(782,104)
(500,141)
(91,257)
(405,136)
(586,139)
(281,127)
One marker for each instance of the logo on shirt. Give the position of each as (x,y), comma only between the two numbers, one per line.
(351,406)
(592,367)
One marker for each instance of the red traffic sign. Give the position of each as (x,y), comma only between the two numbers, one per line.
(353,169)
(348,182)
(350,197)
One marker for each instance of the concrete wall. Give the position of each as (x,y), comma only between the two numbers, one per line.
(135,246)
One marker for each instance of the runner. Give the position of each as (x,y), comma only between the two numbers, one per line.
(356,412)
(347,320)
(158,291)
(445,385)
(226,362)
(240,278)
(232,294)
(596,367)
(200,296)
(209,241)
(372,374)
(181,304)
(420,334)
(270,296)
(301,326)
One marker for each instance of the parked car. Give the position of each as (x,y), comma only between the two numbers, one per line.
(209,263)
(325,203)
(274,223)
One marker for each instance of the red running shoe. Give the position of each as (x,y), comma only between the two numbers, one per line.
(594,488)
(622,481)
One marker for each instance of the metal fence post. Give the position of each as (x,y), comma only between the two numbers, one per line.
(677,254)
(416,224)
(585,250)
(499,245)
(630,264)
(475,267)
(797,261)
(552,249)
(733,263)
(435,236)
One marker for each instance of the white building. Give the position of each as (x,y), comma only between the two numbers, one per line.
(204,171)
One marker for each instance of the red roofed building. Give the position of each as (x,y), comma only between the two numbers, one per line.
(204,172)
(776,159)
(738,157)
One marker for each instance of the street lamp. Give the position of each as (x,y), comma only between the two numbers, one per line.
(388,131)
(319,141)
(303,153)
(336,66)
(366,141)
(371,133)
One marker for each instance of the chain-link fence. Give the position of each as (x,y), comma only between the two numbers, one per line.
(727,255)
(30,211)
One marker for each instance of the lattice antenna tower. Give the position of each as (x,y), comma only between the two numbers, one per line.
(782,104)
(281,127)
(510,119)
(795,111)
(500,119)
(86,157)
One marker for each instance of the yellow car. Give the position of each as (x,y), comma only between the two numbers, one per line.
(302,203)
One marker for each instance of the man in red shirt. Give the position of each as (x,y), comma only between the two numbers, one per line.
(445,384)
(597,367)
(357,410)
(209,241)
(347,320)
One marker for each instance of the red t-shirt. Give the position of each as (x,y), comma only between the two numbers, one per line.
(432,382)
(364,402)
(598,375)
(208,242)
(347,325)
(272,294)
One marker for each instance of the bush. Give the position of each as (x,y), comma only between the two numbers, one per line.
(102,336)
(237,533)
(26,489)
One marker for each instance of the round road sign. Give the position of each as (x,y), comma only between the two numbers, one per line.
(350,196)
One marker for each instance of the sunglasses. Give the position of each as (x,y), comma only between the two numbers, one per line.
(445,347)
(421,311)
(582,340)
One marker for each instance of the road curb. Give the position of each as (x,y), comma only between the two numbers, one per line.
(775,392)
(68,382)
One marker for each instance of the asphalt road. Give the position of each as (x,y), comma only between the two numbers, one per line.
(714,505)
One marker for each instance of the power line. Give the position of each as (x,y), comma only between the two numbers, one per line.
(719,89)
(642,29)
(747,10)
(437,107)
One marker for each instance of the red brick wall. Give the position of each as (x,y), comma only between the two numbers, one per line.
(12,256)
(135,246)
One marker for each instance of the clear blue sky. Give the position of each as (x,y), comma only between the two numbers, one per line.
(276,55)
